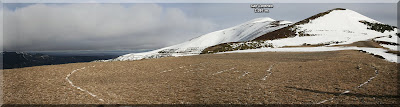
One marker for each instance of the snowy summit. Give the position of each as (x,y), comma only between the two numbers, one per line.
(334,27)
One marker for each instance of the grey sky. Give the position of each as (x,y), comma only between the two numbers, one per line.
(92,26)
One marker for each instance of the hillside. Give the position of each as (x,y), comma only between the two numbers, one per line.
(243,32)
(336,27)
(334,77)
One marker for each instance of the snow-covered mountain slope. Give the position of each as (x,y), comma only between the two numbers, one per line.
(243,32)
(334,27)
(321,32)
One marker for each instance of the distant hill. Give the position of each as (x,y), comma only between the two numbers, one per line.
(22,59)
(243,32)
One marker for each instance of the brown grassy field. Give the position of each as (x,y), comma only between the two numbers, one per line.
(237,78)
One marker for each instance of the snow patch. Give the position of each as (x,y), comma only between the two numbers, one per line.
(269,72)
(393,39)
(391,42)
(391,47)
(223,71)
(245,73)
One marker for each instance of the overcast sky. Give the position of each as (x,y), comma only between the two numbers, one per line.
(122,26)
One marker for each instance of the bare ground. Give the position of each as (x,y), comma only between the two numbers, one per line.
(238,78)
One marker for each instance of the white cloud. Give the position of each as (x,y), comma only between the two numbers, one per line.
(98,26)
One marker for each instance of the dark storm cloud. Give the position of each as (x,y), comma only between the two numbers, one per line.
(97,26)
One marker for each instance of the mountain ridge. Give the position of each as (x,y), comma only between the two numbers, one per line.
(333,27)
(12,60)
(242,32)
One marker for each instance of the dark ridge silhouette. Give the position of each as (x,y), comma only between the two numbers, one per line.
(19,60)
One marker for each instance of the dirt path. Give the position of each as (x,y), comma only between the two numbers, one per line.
(355,88)
(42,85)
(239,78)
(79,88)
